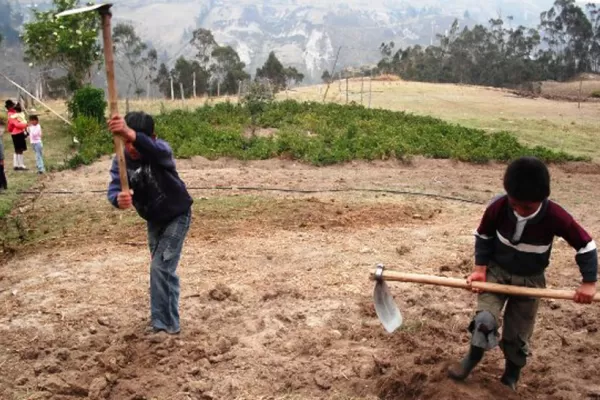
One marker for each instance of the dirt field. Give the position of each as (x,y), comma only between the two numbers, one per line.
(276,301)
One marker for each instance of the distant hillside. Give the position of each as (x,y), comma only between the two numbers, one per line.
(303,33)
(307,33)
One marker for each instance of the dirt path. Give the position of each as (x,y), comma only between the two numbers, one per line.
(276,302)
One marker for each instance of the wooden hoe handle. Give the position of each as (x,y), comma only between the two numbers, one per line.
(112,94)
(485,286)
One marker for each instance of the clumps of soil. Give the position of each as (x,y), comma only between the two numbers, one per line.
(584,168)
(462,267)
(220,292)
(403,250)
(315,214)
(367,308)
(287,292)
(402,385)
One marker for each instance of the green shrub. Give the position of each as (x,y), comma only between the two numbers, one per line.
(94,141)
(88,102)
(257,100)
(595,94)
(315,133)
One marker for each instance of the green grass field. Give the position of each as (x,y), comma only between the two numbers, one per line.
(57,142)
(559,125)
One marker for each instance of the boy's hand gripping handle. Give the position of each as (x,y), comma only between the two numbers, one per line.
(389,275)
(112,94)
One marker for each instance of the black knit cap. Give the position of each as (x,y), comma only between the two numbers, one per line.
(140,122)
(527,179)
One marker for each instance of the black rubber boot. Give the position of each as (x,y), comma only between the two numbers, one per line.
(460,371)
(512,372)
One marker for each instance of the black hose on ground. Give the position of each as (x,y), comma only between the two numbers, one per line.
(284,190)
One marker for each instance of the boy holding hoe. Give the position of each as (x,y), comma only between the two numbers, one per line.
(161,198)
(512,246)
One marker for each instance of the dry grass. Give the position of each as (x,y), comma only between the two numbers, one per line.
(387,78)
(571,89)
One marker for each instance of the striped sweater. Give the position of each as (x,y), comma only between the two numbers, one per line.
(522,246)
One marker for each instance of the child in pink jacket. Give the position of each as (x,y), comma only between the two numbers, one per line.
(35,137)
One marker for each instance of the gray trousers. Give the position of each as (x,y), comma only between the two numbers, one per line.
(519,312)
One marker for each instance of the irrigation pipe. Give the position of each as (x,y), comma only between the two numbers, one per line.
(285,190)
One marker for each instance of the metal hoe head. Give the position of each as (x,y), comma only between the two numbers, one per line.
(388,313)
(99,7)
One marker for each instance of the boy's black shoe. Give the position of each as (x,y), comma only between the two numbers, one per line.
(511,375)
(460,371)
(152,330)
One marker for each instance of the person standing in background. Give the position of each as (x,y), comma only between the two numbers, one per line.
(17,125)
(35,137)
(3,181)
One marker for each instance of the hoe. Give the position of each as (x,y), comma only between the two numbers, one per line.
(391,318)
(105,14)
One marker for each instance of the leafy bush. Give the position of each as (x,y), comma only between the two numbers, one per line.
(319,134)
(595,94)
(94,141)
(88,102)
(257,100)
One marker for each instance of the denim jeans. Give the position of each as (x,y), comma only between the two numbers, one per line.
(39,158)
(166,242)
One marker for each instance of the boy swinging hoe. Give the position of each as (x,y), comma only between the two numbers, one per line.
(512,247)
(160,197)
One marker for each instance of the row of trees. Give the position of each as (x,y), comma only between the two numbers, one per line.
(71,45)
(566,43)
(218,69)
(214,68)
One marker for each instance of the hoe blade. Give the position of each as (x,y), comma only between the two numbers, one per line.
(83,9)
(388,313)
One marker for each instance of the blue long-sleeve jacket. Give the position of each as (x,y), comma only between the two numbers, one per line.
(159,195)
